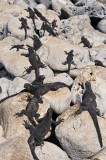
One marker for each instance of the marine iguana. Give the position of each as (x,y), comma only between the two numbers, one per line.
(53,24)
(41,89)
(32,16)
(24,25)
(0,89)
(31,89)
(99,63)
(38,132)
(69,60)
(46,27)
(35,62)
(31,110)
(89,104)
(41,16)
(37,43)
(19,46)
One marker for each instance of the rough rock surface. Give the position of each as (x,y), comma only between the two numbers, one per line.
(73,134)
(12,126)
(16,86)
(59,100)
(50,151)
(71,43)
(101,155)
(97,77)
(17,148)
(56,54)
(98,53)
(25,3)
(101,25)
(4,84)
(14,28)
(6,43)
(15,64)
(71,29)
(2,139)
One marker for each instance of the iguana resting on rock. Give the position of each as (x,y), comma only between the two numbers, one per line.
(89,104)
(38,132)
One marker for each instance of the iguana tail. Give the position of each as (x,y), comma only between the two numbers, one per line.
(94,118)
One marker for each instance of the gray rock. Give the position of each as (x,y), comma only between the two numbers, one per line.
(47,3)
(91,8)
(12,125)
(16,148)
(73,28)
(7,43)
(25,3)
(59,100)
(97,77)
(14,28)
(4,18)
(15,64)
(98,53)
(101,155)
(43,107)
(74,73)
(102,1)
(54,56)
(77,134)
(49,151)
(1,131)
(63,5)
(11,10)
(41,6)
(101,26)
(92,38)
(4,84)
(16,86)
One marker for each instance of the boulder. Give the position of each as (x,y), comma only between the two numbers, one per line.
(7,43)
(11,123)
(97,77)
(77,134)
(98,53)
(54,56)
(92,38)
(101,25)
(50,151)
(25,3)
(71,29)
(59,100)
(14,28)
(16,148)
(15,64)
